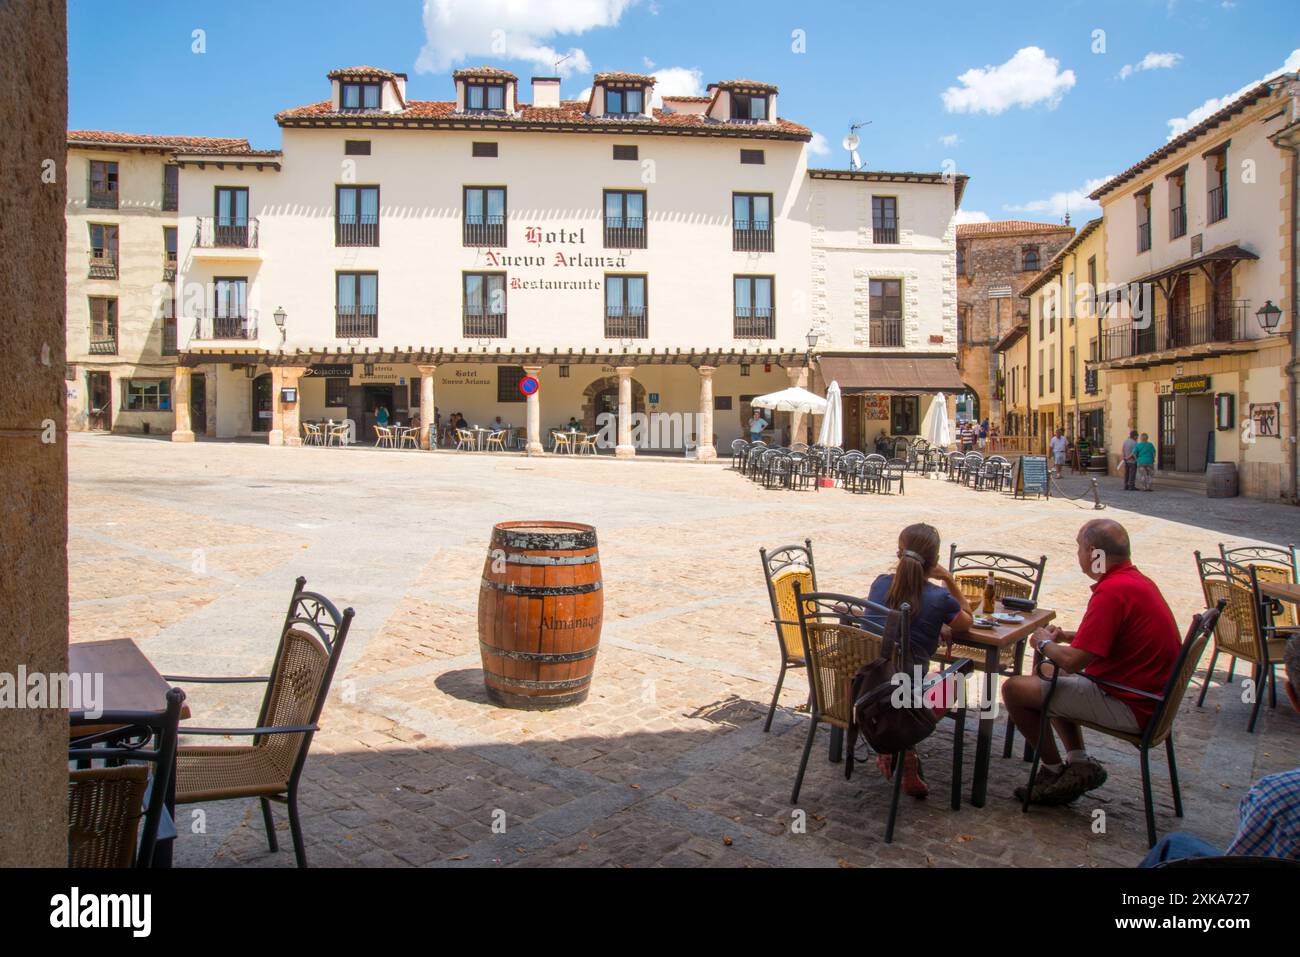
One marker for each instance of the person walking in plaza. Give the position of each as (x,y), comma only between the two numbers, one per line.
(1129,460)
(984,434)
(756,426)
(937,604)
(1058,447)
(1127,637)
(1144,455)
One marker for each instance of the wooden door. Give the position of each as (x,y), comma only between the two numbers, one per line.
(99,401)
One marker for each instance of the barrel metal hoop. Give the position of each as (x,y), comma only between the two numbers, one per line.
(542,685)
(542,591)
(527,559)
(545,657)
(559,541)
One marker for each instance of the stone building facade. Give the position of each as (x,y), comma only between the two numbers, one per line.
(995,261)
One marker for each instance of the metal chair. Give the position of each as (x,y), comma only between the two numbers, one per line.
(497,440)
(956,467)
(311,643)
(782,568)
(384,437)
(971,471)
(738,448)
(115,812)
(1272,563)
(1243,631)
(1159,730)
(311,434)
(409,437)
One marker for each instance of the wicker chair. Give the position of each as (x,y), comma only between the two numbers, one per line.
(1160,729)
(782,568)
(497,440)
(108,805)
(587,444)
(384,437)
(1243,630)
(1271,564)
(835,651)
(312,434)
(311,643)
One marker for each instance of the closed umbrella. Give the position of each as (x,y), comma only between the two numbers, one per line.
(832,433)
(935,429)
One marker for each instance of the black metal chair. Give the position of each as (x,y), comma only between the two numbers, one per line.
(738,449)
(1159,730)
(783,568)
(840,635)
(1272,563)
(115,812)
(311,643)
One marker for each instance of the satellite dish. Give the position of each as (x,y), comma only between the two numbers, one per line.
(851,142)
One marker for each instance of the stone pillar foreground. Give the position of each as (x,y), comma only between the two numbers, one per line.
(798,376)
(428,438)
(534,446)
(285,429)
(181,404)
(625,448)
(705,451)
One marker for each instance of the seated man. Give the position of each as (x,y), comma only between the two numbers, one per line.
(1268,818)
(1127,636)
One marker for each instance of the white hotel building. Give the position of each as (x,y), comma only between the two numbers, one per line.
(428,254)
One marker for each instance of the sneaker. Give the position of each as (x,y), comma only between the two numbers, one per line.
(1078,778)
(913,783)
(1044,778)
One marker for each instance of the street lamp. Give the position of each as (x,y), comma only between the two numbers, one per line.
(812,340)
(1269,316)
(279,315)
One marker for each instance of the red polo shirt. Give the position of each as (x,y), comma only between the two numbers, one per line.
(1129,627)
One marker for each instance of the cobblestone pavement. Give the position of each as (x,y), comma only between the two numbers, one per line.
(191,550)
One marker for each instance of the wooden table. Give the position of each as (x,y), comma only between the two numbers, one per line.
(1283,591)
(994,640)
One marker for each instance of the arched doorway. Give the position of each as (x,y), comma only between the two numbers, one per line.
(602,396)
(261,404)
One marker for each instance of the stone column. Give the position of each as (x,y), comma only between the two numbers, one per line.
(625,448)
(798,420)
(428,440)
(534,446)
(181,404)
(705,451)
(285,428)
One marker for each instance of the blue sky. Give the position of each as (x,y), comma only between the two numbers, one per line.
(1029,100)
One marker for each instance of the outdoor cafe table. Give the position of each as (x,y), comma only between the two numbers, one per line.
(1283,591)
(994,640)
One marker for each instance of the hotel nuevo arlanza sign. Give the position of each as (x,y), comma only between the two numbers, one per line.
(562,266)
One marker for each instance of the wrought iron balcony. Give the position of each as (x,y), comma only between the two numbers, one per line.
(1177,222)
(755,323)
(356,322)
(1216,204)
(480,233)
(1203,324)
(169,266)
(169,200)
(1144,237)
(752,236)
(103,264)
(226,326)
(103,342)
(215,233)
(627,323)
(481,325)
(887,333)
(884,235)
(169,336)
(359,231)
(626,233)
(102,198)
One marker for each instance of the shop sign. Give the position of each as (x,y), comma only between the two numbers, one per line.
(329,372)
(1191,384)
(465,377)
(1266,418)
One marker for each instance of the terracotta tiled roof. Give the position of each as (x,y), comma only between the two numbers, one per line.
(1008,227)
(495,73)
(149,141)
(630,77)
(688,99)
(361,71)
(568,114)
(745,84)
(1249,98)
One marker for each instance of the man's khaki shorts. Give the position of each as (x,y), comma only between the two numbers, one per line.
(1079,699)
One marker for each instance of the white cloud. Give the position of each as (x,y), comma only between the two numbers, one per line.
(970,216)
(1029,77)
(649,63)
(493,30)
(1073,201)
(1152,61)
(677,81)
(1181,124)
(951,139)
(819,146)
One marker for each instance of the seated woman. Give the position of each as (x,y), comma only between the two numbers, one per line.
(936,603)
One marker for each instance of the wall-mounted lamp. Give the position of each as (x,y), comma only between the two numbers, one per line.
(1269,316)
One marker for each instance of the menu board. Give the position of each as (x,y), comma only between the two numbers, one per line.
(1031,476)
(875,407)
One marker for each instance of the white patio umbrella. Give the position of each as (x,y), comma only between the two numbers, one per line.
(832,433)
(935,429)
(792,399)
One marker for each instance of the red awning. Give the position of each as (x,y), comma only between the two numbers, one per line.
(892,373)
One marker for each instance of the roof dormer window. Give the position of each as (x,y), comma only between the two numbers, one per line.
(357,97)
(629,101)
(749,107)
(485,96)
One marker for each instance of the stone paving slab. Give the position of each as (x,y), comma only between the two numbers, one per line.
(666,763)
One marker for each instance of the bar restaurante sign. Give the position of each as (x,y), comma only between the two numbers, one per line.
(1191,383)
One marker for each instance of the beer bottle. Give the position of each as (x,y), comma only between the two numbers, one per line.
(987,607)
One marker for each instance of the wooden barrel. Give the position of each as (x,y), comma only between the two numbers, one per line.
(540,608)
(1221,480)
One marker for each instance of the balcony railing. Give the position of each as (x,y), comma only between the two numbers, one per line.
(169,202)
(103,342)
(480,325)
(213,233)
(1200,325)
(102,198)
(226,326)
(356,322)
(630,323)
(490,233)
(752,236)
(169,266)
(1144,237)
(1177,222)
(1217,204)
(362,233)
(756,323)
(169,336)
(884,235)
(103,264)
(887,333)
(625,233)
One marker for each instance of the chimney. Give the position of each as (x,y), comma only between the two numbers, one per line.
(546,92)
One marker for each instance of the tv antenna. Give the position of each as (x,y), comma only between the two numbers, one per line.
(561,60)
(851,143)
